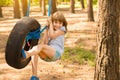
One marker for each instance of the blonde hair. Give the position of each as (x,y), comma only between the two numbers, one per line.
(57,16)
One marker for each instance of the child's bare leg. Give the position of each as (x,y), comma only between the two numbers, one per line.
(34,63)
(47,51)
(34,51)
(34,60)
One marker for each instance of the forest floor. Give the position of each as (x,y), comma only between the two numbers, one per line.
(79,31)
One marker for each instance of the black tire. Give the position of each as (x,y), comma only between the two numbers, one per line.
(16,41)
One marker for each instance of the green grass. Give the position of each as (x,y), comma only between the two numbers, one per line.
(78,55)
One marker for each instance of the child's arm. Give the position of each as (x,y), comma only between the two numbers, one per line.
(45,37)
(53,34)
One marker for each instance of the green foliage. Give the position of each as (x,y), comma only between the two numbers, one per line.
(95,2)
(5,2)
(35,2)
(78,55)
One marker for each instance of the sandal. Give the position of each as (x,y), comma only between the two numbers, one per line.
(34,78)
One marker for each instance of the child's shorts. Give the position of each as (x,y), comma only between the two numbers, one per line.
(54,58)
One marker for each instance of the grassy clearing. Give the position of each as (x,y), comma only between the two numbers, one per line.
(79,55)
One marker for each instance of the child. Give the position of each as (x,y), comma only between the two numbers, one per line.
(53,46)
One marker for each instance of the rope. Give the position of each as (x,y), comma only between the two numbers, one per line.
(28,10)
(49,11)
(36,34)
(33,35)
(43,29)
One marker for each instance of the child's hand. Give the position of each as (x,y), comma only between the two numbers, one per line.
(49,21)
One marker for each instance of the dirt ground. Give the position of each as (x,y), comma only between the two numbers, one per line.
(79,30)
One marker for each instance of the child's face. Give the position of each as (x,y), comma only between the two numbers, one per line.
(57,24)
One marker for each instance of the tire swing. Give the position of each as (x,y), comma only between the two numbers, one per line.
(16,42)
(29,29)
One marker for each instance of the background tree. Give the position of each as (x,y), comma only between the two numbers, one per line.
(107,59)
(53,7)
(119,30)
(1,15)
(90,10)
(16,9)
(72,2)
(82,4)
(43,7)
(40,3)
(24,7)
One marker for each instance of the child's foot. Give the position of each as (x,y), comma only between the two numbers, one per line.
(35,50)
(34,78)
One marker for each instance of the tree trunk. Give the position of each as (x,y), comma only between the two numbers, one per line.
(119,33)
(72,2)
(43,7)
(90,11)
(1,15)
(82,4)
(53,7)
(40,2)
(25,7)
(16,9)
(107,58)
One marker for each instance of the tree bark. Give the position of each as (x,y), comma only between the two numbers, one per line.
(40,2)
(90,11)
(16,9)
(43,7)
(119,32)
(53,7)
(1,15)
(82,4)
(107,58)
(72,3)
(25,7)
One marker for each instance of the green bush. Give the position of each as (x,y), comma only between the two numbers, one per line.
(34,2)
(95,2)
(78,55)
(6,2)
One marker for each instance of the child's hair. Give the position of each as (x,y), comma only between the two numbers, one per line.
(57,16)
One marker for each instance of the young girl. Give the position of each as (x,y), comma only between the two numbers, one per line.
(53,45)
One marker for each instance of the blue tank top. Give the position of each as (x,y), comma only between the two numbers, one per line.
(58,43)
